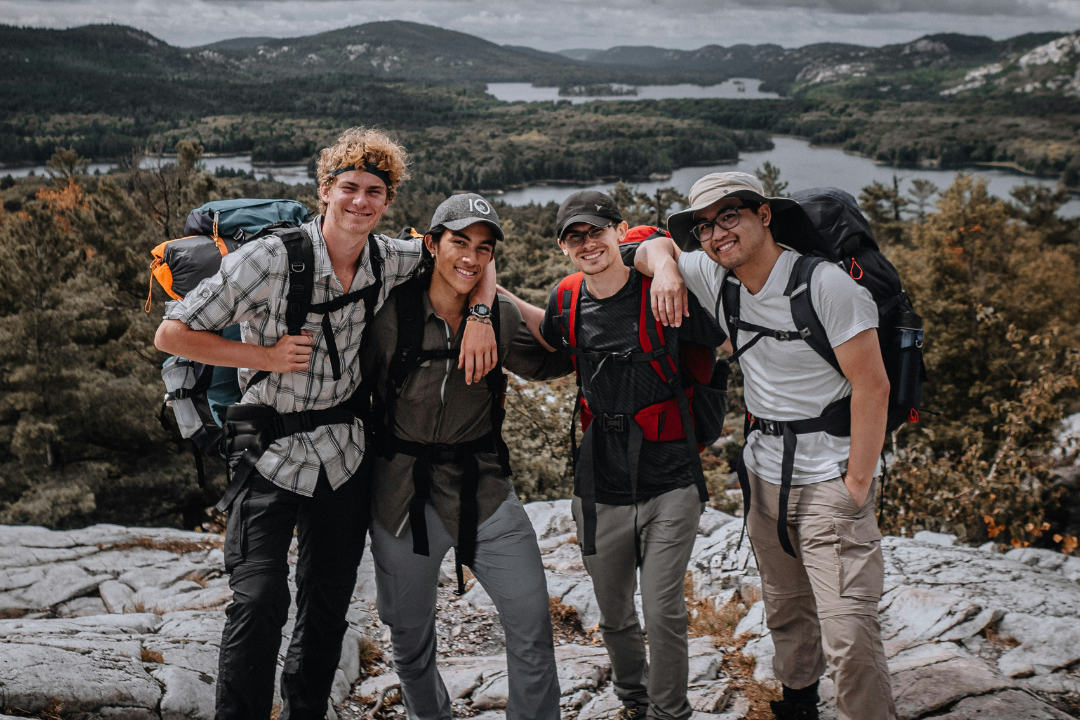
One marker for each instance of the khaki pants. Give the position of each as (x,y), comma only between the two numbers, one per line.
(663,529)
(823,606)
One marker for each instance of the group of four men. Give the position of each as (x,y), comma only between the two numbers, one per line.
(424,468)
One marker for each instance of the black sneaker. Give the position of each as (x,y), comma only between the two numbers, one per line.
(784,710)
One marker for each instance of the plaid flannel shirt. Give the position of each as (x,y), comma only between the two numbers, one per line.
(250,289)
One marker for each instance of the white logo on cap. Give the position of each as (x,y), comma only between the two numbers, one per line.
(479,205)
(599,208)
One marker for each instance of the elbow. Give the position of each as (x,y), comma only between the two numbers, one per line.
(165,335)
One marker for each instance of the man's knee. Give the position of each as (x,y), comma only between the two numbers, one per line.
(261,594)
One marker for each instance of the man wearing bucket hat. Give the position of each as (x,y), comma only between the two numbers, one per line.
(443,478)
(822,575)
(637,500)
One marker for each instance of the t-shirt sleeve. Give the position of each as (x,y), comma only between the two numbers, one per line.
(844,307)
(702,278)
(548,330)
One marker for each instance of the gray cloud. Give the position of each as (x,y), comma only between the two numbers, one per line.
(936,7)
(558,24)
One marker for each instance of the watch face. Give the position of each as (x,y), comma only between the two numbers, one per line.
(480,310)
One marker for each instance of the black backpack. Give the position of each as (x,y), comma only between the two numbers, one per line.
(826,225)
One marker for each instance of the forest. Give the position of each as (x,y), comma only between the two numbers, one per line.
(80,387)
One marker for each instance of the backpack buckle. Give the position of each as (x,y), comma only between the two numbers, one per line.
(297,267)
(621,358)
(770,427)
(614,423)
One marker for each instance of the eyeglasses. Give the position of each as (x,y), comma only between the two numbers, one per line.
(576,239)
(727,219)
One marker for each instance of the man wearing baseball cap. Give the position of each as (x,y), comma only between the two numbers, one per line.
(637,503)
(821,591)
(443,478)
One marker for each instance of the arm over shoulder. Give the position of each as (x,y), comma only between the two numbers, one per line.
(524,355)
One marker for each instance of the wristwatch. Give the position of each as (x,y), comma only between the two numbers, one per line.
(481,311)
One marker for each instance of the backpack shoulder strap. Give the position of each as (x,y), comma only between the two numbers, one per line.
(566,298)
(301,258)
(803,313)
(409,305)
(727,302)
(371,296)
(651,334)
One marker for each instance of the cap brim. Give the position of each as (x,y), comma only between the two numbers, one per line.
(679,224)
(595,220)
(463,223)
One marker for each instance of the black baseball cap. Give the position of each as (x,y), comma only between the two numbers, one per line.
(587,206)
(458,212)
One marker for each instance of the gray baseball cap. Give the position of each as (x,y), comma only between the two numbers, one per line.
(458,212)
(717,186)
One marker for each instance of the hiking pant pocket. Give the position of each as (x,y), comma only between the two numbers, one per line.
(859,559)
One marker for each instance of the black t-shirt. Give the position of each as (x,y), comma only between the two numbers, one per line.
(611,325)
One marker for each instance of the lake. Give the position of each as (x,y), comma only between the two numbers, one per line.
(734,89)
(803,166)
(287,173)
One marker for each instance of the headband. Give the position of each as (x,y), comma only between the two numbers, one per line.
(366,167)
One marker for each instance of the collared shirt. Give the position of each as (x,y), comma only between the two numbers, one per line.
(435,406)
(250,289)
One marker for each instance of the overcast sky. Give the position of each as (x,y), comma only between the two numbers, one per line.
(561,24)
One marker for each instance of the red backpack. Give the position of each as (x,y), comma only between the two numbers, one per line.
(695,412)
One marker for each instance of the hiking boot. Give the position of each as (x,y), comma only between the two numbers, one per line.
(631,713)
(784,710)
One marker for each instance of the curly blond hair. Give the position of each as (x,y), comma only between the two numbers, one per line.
(360,146)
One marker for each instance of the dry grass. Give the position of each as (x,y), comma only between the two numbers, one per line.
(275,712)
(53,710)
(150,656)
(706,619)
(196,576)
(566,623)
(720,623)
(174,546)
(992,635)
(370,654)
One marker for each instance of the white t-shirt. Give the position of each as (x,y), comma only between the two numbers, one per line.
(787,380)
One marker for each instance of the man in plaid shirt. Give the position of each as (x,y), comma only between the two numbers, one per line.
(314,482)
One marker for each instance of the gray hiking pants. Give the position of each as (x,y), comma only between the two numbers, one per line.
(509,568)
(663,529)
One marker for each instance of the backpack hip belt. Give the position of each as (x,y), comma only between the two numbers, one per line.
(250,430)
(836,421)
(463,454)
(649,423)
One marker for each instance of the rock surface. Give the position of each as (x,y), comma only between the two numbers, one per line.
(112,622)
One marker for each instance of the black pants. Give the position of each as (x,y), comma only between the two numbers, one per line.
(330,531)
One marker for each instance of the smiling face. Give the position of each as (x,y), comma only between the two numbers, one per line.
(355,201)
(593,250)
(461,256)
(734,247)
